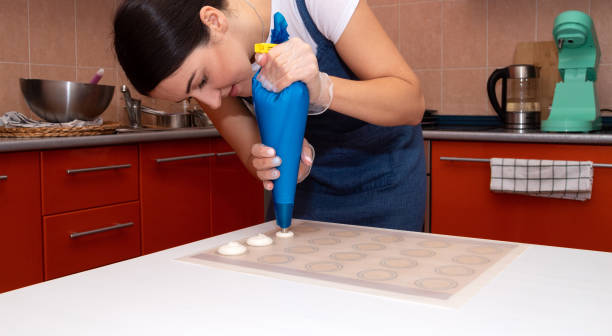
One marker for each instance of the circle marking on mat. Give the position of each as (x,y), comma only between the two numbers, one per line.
(324,266)
(275,259)
(377,275)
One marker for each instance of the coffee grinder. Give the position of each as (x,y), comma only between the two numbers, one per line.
(575,107)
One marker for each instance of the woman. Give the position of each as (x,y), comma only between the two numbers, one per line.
(369,167)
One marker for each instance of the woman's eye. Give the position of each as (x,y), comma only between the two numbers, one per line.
(202,83)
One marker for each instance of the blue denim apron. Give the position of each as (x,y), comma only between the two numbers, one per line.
(363,174)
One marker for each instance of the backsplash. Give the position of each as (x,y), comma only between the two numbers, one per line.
(59,39)
(453,45)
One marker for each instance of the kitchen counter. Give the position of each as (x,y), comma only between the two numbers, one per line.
(484,133)
(464,133)
(15,144)
(545,291)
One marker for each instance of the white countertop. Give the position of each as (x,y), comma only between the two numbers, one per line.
(545,291)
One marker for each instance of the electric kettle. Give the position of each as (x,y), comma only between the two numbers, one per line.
(520,105)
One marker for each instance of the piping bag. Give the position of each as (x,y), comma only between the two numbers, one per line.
(281,117)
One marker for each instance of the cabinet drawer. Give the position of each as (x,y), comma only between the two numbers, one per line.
(74,179)
(82,240)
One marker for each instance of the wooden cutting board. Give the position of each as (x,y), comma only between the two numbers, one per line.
(543,54)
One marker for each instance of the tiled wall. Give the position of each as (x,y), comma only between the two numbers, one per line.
(57,39)
(452,44)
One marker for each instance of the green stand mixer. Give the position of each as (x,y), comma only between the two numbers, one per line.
(575,107)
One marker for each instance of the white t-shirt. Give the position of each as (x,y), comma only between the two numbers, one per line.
(330,16)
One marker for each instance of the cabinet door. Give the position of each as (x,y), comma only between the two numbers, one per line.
(82,178)
(174,193)
(237,196)
(20,224)
(81,240)
(463,205)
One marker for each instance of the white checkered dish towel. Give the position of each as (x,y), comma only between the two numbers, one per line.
(544,178)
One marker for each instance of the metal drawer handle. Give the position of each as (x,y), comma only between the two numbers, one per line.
(450,158)
(3,177)
(187,157)
(85,170)
(226,153)
(108,228)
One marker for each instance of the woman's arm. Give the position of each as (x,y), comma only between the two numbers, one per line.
(388,93)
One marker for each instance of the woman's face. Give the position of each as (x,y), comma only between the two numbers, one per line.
(208,74)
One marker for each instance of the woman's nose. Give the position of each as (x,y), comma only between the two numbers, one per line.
(212,98)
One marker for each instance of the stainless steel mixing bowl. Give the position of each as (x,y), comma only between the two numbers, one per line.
(64,101)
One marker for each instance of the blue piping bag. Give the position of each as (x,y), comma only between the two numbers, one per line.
(281,118)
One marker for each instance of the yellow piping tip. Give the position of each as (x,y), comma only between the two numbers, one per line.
(263,48)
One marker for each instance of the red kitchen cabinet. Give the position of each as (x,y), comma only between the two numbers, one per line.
(81,240)
(174,192)
(237,196)
(463,205)
(81,178)
(21,262)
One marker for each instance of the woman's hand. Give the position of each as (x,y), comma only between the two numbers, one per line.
(265,162)
(294,61)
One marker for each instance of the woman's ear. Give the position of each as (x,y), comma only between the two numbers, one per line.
(215,20)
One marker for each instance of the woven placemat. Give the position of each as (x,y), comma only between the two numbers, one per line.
(43,132)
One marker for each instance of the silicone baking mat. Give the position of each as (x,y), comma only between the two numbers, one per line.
(422,267)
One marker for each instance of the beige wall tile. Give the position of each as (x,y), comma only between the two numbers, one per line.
(53,72)
(548,11)
(408,1)
(11,98)
(601,13)
(431,85)
(420,37)
(604,87)
(14,36)
(452,44)
(52,36)
(388,16)
(464,92)
(464,33)
(510,22)
(94,28)
(84,75)
(381,2)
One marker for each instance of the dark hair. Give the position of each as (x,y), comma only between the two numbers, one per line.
(154,37)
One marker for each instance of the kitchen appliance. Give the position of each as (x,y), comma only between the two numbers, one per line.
(520,106)
(65,101)
(575,107)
